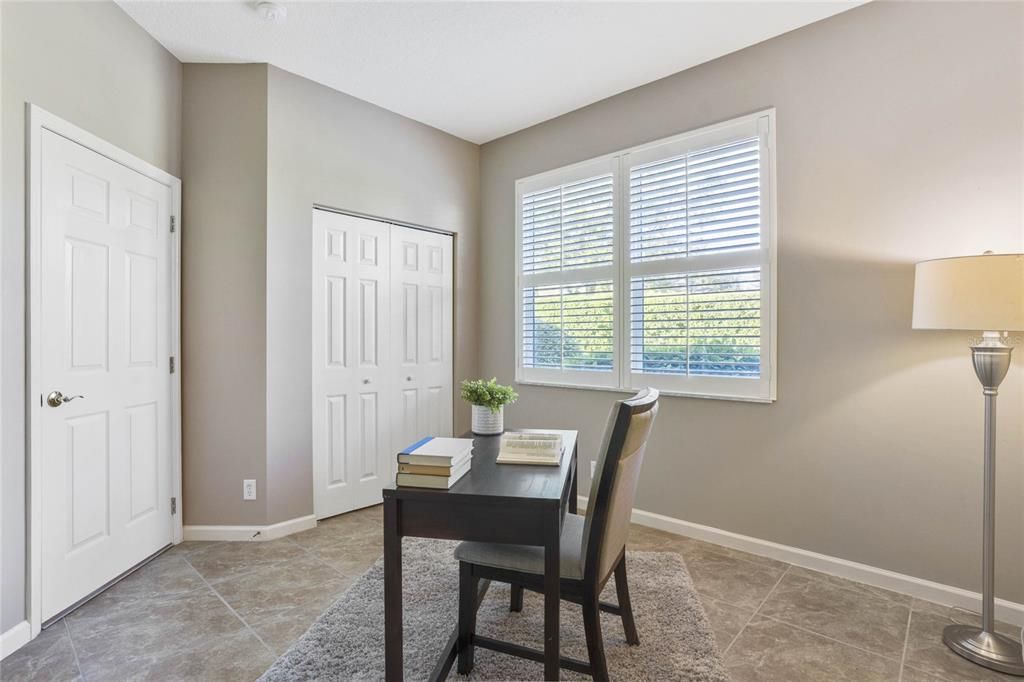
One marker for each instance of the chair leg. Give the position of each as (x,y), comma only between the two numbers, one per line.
(595,643)
(468,584)
(622,589)
(516,601)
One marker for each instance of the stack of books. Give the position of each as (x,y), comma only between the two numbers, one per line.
(531,448)
(434,462)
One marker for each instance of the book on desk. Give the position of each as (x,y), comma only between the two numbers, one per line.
(531,447)
(434,462)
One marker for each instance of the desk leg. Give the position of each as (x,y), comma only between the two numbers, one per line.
(393,656)
(552,596)
(574,493)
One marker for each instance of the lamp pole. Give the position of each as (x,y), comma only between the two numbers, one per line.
(984,645)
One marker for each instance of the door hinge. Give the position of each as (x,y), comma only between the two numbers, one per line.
(174,221)
(174,506)
(172,364)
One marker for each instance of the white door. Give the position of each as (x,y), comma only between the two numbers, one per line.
(351,379)
(104,336)
(421,320)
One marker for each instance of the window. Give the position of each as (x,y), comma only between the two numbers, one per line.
(654,266)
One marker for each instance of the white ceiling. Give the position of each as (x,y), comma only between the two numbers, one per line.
(478,70)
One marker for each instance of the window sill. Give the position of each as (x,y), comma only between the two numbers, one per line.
(671,394)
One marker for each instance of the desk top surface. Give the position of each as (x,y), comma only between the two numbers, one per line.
(487,478)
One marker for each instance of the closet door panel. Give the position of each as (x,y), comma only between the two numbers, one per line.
(351,357)
(422,314)
(407,424)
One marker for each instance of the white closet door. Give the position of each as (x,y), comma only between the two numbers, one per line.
(421,317)
(352,381)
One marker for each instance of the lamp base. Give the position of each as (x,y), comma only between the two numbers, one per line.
(988,649)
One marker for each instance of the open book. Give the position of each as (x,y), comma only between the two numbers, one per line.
(531,448)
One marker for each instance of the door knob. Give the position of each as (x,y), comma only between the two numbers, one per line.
(366,381)
(408,378)
(56,398)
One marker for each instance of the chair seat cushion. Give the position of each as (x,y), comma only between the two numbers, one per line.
(527,558)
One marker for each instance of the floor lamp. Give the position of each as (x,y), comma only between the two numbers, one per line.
(979,293)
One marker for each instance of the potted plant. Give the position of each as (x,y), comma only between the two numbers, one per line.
(488,399)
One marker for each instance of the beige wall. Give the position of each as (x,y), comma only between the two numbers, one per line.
(224,292)
(93,66)
(900,138)
(334,150)
(261,148)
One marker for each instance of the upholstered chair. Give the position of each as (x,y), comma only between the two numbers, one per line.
(592,548)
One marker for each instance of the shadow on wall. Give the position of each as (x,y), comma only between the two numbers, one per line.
(850,330)
(853,326)
(868,409)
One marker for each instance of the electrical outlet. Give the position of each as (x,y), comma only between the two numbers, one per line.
(593,468)
(249,489)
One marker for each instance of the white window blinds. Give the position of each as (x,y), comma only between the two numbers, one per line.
(567,227)
(653,266)
(697,324)
(704,201)
(568,327)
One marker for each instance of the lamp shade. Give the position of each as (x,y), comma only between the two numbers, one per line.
(981,293)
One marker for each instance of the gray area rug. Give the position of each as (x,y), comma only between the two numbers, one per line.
(347,641)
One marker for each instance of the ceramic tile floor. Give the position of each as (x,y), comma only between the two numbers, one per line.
(224,611)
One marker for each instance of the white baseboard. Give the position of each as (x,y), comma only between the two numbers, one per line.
(15,638)
(248,533)
(1008,611)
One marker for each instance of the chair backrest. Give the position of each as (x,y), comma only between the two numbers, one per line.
(610,504)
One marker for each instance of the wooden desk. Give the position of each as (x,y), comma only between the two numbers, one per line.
(508,503)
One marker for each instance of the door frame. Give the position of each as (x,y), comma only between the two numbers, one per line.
(37,120)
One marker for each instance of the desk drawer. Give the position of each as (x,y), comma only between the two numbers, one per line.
(482,522)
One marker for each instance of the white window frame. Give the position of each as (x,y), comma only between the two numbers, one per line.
(761,389)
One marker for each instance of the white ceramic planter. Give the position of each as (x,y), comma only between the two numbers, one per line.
(487,423)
